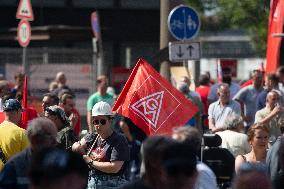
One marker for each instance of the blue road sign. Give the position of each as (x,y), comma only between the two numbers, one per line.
(183,22)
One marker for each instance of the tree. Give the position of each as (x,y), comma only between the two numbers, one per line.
(251,15)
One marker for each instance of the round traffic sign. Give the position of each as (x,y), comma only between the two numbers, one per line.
(24,33)
(183,22)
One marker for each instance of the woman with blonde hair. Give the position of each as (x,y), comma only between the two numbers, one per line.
(258,135)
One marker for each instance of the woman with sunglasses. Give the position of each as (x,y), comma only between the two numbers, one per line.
(258,135)
(104,151)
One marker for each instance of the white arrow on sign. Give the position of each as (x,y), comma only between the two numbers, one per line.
(25,10)
(180,51)
(24,33)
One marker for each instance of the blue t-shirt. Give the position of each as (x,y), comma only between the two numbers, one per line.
(261,99)
(247,95)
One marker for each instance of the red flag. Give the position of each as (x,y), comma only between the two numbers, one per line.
(25,102)
(152,103)
(275,25)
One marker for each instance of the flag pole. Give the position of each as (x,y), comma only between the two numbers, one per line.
(25,101)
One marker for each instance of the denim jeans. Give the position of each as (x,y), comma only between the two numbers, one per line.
(105,181)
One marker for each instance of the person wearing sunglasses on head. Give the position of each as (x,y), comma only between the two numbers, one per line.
(105,151)
(65,135)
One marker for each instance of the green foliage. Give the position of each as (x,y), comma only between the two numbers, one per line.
(251,15)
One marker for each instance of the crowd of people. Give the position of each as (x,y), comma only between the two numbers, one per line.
(51,152)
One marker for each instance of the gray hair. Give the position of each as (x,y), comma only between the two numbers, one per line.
(190,136)
(223,85)
(41,127)
(59,75)
(233,121)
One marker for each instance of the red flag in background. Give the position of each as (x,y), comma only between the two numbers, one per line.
(152,103)
(275,25)
(29,113)
(25,102)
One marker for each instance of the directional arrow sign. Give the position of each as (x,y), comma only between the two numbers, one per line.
(25,10)
(180,51)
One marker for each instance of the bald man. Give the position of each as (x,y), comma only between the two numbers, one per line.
(61,82)
(272,115)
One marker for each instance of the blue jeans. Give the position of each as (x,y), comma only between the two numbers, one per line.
(105,181)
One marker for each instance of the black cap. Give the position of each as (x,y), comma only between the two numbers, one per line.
(11,105)
(59,112)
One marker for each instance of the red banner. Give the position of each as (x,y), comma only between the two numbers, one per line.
(152,103)
(25,103)
(275,25)
(230,63)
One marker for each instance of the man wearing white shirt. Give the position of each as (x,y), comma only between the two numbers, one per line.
(232,138)
(221,109)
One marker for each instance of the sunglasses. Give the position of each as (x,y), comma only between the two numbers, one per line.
(99,121)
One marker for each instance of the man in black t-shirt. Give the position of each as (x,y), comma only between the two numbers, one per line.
(106,152)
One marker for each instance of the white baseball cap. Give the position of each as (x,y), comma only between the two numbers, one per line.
(102,108)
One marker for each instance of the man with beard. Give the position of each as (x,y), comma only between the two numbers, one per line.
(226,78)
(67,103)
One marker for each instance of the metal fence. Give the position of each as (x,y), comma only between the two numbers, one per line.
(46,55)
(44,63)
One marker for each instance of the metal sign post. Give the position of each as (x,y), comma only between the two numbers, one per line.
(94,66)
(25,13)
(184,25)
(95,22)
(24,61)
